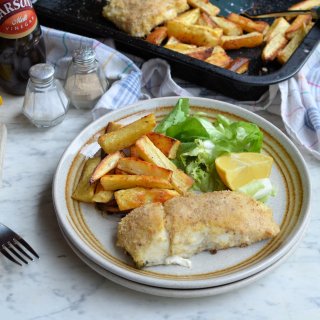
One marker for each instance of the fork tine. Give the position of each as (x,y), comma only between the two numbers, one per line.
(17,246)
(7,255)
(27,246)
(15,253)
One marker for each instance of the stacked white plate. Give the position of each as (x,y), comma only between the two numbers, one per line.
(93,235)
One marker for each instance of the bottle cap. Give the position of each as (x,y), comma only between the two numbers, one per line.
(41,73)
(84,55)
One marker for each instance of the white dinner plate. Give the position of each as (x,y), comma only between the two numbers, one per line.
(94,234)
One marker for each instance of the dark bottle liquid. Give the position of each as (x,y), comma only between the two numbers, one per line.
(21,44)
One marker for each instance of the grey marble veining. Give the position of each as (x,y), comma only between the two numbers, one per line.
(61,286)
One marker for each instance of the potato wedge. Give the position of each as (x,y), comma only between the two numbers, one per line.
(201,53)
(127,135)
(113,126)
(149,152)
(298,23)
(134,151)
(205,20)
(264,26)
(189,17)
(85,191)
(181,47)
(194,34)
(305,5)
(108,163)
(168,146)
(279,25)
(249,40)
(284,54)
(217,49)
(127,181)
(101,195)
(273,47)
(219,58)
(229,28)
(239,65)
(204,6)
(137,197)
(172,40)
(158,35)
(247,24)
(119,171)
(141,167)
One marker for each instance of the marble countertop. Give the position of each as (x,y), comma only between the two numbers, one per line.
(61,286)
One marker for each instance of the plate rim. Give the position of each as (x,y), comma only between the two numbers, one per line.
(184,293)
(208,103)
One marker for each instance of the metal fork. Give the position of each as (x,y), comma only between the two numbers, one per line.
(12,246)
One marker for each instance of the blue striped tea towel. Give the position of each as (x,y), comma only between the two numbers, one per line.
(300,105)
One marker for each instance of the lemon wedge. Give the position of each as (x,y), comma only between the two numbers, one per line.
(238,169)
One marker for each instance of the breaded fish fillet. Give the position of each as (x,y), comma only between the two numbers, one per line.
(184,226)
(138,17)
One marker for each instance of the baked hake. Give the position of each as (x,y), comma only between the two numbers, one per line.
(138,17)
(171,232)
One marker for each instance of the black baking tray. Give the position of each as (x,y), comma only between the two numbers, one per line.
(84,17)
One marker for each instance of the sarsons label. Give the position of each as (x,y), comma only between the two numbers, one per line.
(17,18)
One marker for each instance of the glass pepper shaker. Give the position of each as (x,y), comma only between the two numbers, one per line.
(85,82)
(45,103)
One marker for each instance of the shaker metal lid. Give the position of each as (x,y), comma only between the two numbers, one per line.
(84,55)
(41,73)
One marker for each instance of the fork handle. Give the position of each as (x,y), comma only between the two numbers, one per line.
(315,13)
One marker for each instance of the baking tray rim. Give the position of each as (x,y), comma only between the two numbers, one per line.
(289,69)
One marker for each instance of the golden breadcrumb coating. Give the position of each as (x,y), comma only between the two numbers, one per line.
(145,236)
(184,226)
(138,17)
(216,220)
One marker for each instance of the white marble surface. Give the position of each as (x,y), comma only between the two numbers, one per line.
(61,286)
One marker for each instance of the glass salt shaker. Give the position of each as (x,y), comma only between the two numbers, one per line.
(45,103)
(85,82)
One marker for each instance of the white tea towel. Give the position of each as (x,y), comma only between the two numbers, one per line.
(157,82)
(122,73)
(300,105)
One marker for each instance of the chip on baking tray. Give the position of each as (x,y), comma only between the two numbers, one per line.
(138,17)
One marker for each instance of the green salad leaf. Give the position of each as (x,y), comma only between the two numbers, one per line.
(203,141)
(190,129)
(197,160)
(177,115)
